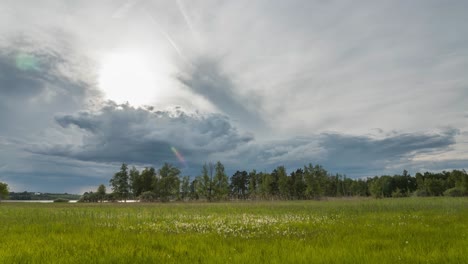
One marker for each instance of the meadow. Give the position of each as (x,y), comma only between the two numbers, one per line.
(404,230)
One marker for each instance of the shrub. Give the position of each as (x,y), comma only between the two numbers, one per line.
(111,197)
(421,193)
(89,198)
(61,200)
(455,192)
(147,197)
(398,193)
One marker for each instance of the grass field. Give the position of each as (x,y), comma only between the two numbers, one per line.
(405,230)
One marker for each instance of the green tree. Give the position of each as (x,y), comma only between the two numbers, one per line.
(185,187)
(89,198)
(101,192)
(434,186)
(382,186)
(267,186)
(146,181)
(135,181)
(359,188)
(3,191)
(298,184)
(168,183)
(283,182)
(375,187)
(460,179)
(274,191)
(314,179)
(194,187)
(239,182)
(120,183)
(220,183)
(253,184)
(205,182)
(464,181)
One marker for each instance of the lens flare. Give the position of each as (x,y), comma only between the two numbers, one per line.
(179,156)
(27,62)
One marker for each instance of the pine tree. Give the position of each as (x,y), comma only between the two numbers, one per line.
(120,183)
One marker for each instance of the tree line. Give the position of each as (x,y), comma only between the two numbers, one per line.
(309,182)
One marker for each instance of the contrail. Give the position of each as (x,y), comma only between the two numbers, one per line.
(187,19)
(124,9)
(168,37)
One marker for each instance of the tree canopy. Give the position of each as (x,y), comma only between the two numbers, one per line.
(3,191)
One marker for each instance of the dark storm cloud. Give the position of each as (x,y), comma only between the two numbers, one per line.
(16,83)
(122,133)
(395,146)
(205,77)
(356,156)
(58,175)
(362,156)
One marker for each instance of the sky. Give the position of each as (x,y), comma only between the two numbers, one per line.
(362,88)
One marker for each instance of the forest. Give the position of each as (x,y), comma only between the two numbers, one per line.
(309,182)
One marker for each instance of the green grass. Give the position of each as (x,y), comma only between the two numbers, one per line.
(406,230)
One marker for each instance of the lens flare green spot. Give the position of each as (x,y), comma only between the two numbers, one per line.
(27,62)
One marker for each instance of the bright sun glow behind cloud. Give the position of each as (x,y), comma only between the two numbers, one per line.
(132,77)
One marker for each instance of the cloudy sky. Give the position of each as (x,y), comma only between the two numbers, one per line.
(363,88)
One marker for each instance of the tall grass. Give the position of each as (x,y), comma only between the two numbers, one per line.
(409,230)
